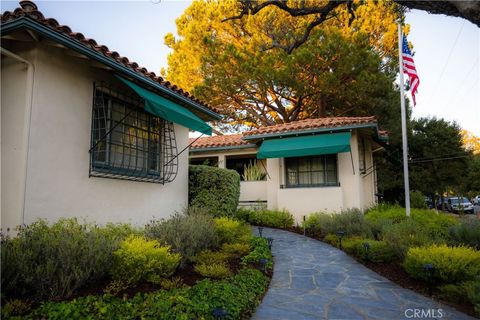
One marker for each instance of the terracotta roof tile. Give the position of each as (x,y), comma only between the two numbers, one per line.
(29,9)
(218,141)
(308,124)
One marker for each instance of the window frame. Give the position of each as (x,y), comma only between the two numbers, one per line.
(324,171)
(130,107)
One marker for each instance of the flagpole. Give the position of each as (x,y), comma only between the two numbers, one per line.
(404,124)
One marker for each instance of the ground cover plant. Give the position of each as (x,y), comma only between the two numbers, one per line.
(266,217)
(135,273)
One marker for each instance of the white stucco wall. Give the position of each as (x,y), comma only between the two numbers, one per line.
(58,183)
(253,191)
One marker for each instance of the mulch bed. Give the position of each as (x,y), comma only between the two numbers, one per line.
(395,273)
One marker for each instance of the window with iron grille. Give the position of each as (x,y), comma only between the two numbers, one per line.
(129,143)
(311,171)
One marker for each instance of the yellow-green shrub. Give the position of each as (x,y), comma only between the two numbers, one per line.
(231,230)
(140,259)
(213,270)
(332,239)
(236,250)
(207,256)
(452,264)
(378,251)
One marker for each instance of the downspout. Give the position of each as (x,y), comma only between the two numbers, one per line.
(27,119)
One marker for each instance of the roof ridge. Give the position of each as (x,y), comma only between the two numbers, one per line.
(30,10)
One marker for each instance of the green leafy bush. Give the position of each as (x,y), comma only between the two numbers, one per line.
(188,234)
(14,307)
(238,295)
(236,250)
(332,239)
(272,218)
(452,264)
(208,256)
(473,294)
(378,251)
(214,189)
(244,214)
(232,231)
(53,261)
(213,270)
(404,235)
(466,233)
(352,222)
(260,250)
(417,200)
(254,172)
(138,259)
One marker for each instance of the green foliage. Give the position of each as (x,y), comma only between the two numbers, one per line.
(215,189)
(14,307)
(417,200)
(271,218)
(260,250)
(456,293)
(404,235)
(378,251)
(213,270)
(231,230)
(188,234)
(332,239)
(352,222)
(138,259)
(466,233)
(238,295)
(473,294)
(172,283)
(236,250)
(254,172)
(54,261)
(452,264)
(244,214)
(207,256)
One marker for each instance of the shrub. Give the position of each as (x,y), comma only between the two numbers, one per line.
(417,200)
(332,239)
(237,295)
(170,284)
(236,250)
(208,256)
(14,307)
(466,233)
(404,235)
(213,270)
(231,231)
(351,221)
(452,264)
(244,214)
(188,234)
(473,294)
(378,251)
(272,218)
(254,172)
(138,259)
(214,189)
(54,261)
(260,250)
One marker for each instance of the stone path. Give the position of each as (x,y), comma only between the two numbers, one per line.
(312,280)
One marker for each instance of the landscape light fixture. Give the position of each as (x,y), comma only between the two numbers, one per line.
(260,231)
(340,234)
(219,313)
(429,270)
(366,246)
(270,241)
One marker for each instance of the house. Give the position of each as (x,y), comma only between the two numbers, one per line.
(324,164)
(85,132)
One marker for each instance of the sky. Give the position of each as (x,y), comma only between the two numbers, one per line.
(447,49)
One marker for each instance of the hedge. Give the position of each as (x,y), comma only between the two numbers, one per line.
(216,190)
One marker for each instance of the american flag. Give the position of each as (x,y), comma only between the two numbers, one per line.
(409,68)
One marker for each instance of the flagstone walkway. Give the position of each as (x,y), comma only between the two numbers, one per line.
(312,280)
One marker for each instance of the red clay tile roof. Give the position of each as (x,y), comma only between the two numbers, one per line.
(30,10)
(309,124)
(218,141)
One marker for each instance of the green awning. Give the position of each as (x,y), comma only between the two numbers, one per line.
(169,110)
(305,145)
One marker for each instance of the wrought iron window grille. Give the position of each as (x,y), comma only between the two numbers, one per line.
(127,142)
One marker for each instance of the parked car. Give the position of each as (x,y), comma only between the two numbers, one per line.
(459,204)
(476,200)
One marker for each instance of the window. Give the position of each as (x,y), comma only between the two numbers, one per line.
(311,171)
(207,161)
(127,142)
